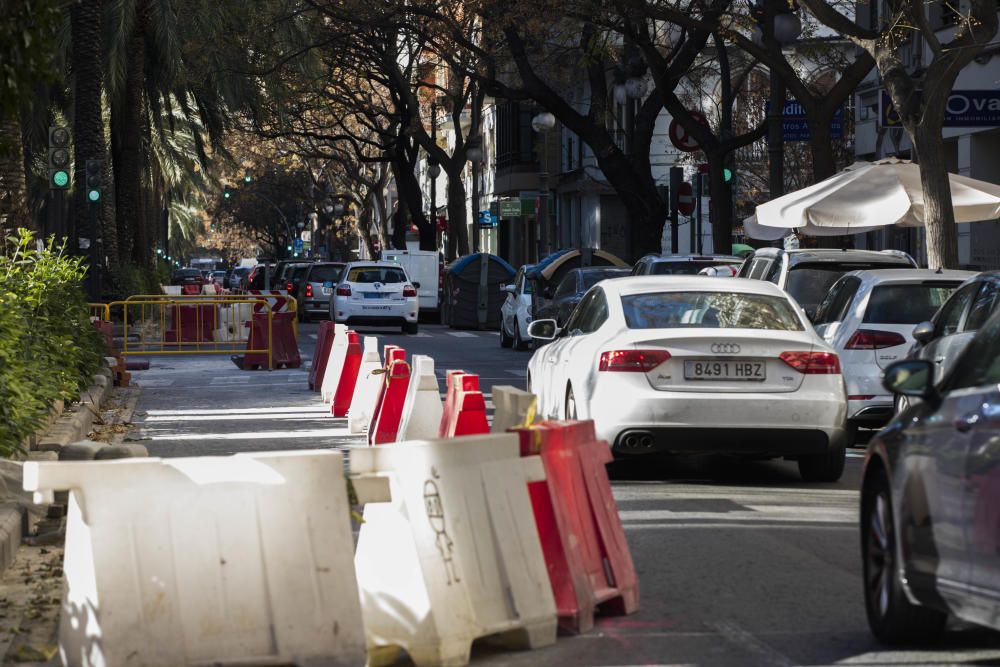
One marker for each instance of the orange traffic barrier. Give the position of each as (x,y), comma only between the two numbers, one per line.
(348,376)
(392,353)
(386,427)
(589,562)
(468,410)
(193,323)
(317,369)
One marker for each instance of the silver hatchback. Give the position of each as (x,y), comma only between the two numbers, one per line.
(315,289)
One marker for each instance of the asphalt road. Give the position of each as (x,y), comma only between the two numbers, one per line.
(739,563)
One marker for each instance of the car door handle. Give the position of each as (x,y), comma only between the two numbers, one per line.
(965,424)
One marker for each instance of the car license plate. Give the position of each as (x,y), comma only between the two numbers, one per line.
(708,369)
(373,295)
(327,291)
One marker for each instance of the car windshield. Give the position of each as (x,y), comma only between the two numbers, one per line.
(376,274)
(906,304)
(188,273)
(809,283)
(684,268)
(323,273)
(591,278)
(715,310)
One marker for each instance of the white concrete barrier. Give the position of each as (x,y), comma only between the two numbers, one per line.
(422,409)
(335,363)
(171,290)
(232,322)
(367,389)
(210,560)
(510,407)
(456,554)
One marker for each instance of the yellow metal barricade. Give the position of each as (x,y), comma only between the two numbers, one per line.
(100,311)
(293,304)
(164,324)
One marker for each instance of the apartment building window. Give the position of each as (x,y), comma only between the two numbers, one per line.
(515,140)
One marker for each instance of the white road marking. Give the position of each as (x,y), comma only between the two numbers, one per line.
(264,435)
(313,336)
(737,636)
(421,335)
(292,409)
(519,372)
(462,334)
(154,382)
(232,379)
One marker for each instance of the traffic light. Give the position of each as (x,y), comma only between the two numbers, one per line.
(211,226)
(727,174)
(226,194)
(59,158)
(95,180)
(247,178)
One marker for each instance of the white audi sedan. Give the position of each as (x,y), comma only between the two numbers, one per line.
(376,293)
(687,365)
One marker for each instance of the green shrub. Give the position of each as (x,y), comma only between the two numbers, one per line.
(125,280)
(48,348)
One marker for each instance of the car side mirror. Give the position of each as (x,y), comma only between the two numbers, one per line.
(543,330)
(923,333)
(415,284)
(912,377)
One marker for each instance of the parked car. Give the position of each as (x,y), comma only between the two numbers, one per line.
(687,265)
(721,271)
(286,275)
(376,293)
(868,318)
(515,313)
(237,277)
(316,289)
(219,278)
(257,278)
(930,498)
(187,276)
(572,288)
(294,276)
(808,274)
(943,337)
(695,364)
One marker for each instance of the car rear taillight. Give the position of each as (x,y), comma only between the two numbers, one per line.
(409,290)
(632,361)
(344,290)
(289,286)
(866,339)
(309,290)
(812,363)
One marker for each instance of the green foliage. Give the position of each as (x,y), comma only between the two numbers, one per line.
(27,48)
(48,348)
(125,280)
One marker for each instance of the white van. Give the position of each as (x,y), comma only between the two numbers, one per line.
(423,267)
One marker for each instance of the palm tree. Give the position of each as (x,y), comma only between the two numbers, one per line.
(13,190)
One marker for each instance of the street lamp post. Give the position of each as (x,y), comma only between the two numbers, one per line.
(474,153)
(541,124)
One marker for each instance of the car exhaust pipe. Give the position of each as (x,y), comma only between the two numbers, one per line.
(646,441)
(638,440)
(630,441)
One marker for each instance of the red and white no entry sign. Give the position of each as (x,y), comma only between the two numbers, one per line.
(680,138)
(685,199)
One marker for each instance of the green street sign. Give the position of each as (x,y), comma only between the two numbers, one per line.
(510,208)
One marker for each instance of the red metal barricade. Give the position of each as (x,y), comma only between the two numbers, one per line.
(588,559)
(192,324)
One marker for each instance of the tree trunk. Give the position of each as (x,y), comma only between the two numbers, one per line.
(13,190)
(88,123)
(400,221)
(647,211)
(458,229)
(130,211)
(939,215)
(821,146)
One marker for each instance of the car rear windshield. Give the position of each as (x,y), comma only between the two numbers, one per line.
(906,304)
(809,283)
(322,273)
(376,274)
(188,273)
(684,268)
(714,310)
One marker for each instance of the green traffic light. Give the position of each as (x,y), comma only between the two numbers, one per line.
(60,178)
(246,179)
(94,195)
(288,248)
(727,174)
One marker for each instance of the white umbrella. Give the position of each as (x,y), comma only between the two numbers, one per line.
(867,196)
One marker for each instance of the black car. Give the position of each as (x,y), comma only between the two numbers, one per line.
(187,277)
(930,499)
(571,289)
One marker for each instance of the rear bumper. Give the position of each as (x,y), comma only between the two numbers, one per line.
(751,442)
(315,306)
(874,413)
(364,320)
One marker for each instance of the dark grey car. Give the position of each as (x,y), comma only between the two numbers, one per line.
(572,288)
(945,336)
(930,499)
(315,289)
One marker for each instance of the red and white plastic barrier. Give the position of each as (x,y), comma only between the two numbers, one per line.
(366,389)
(321,354)
(422,409)
(455,555)
(348,379)
(589,562)
(393,354)
(466,415)
(334,363)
